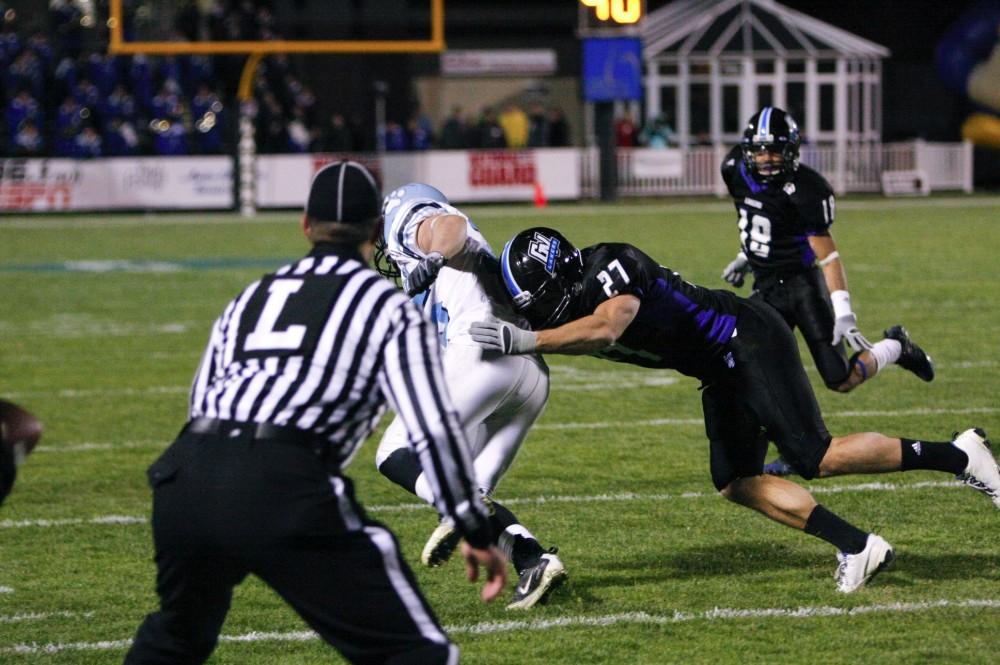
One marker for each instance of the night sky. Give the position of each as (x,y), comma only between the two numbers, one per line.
(909,28)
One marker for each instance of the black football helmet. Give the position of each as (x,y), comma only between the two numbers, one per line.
(543,272)
(774,132)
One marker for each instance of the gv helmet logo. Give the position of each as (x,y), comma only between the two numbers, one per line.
(544,250)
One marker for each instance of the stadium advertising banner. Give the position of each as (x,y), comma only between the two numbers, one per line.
(162,183)
(464,175)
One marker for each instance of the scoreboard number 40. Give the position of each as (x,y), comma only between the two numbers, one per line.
(618,11)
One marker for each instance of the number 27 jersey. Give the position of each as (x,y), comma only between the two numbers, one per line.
(679,325)
(777,219)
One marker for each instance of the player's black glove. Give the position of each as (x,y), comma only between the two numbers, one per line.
(425,273)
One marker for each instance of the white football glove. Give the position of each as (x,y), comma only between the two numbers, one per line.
(845,325)
(736,270)
(497,335)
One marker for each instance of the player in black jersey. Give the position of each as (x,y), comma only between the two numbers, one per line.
(785,213)
(613,301)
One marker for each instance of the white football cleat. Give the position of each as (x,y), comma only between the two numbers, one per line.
(856,570)
(441,544)
(535,583)
(982,472)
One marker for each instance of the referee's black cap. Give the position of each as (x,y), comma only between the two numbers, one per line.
(344,192)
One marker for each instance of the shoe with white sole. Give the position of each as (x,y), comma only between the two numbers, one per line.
(856,570)
(441,545)
(536,582)
(982,472)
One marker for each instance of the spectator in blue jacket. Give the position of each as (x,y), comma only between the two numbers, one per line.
(28,141)
(88,143)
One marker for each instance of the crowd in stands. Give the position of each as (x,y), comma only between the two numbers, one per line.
(656,133)
(64,98)
(512,127)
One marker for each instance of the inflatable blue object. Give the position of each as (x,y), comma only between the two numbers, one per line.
(967,43)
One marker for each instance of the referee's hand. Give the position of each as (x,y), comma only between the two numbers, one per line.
(495,563)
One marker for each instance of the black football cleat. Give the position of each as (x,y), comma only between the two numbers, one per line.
(912,357)
(536,582)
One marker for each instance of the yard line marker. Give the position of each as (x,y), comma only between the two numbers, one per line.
(658,422)
(6,589)
(87,447)
(73,521)
(41,616)
(716,614)
(601,621)
(876,486)
(664,206)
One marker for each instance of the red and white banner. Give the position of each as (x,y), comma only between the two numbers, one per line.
(463,175)
(123,183)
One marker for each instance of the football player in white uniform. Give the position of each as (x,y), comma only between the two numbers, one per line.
(448,267)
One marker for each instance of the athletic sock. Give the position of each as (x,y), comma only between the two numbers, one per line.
(886,352)
(933,455)
(402,467)
(844,536)
(514,540)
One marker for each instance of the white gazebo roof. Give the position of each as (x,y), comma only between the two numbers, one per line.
(741,27)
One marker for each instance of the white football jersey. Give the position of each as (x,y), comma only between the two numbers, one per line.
(467,288)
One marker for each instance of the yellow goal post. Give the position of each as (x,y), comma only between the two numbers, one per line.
(255,52)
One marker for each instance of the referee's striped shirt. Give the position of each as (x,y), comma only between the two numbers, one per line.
(321,345)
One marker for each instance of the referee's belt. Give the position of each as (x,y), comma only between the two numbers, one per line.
(262,431)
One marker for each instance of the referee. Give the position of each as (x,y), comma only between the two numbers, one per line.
(297,372)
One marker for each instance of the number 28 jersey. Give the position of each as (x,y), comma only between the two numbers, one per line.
(679,325)
(776,219)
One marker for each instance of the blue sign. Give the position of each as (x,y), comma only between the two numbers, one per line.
(612,68)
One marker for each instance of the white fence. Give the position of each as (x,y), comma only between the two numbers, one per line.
(282,181)
(948,165)
(856,169)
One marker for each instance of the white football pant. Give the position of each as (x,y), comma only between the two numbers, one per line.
(498,399)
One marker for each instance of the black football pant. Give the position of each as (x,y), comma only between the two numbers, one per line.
(227,505)
(803,301)
(766,396)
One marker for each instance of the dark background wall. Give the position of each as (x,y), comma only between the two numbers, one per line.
(915,102)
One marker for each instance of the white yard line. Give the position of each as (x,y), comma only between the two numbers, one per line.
(662,206)
(879,413)
(621,425)
(6,589)
(89,447)
(876,486)
(42,616)
(714,615)
(717,614)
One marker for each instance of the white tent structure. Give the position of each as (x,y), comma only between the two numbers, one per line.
(711,64)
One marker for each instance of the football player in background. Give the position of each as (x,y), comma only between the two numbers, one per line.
(785,213)
(448,267)
(613,301)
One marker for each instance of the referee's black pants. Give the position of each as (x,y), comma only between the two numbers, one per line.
(228,504)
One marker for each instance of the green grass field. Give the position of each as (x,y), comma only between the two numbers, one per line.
(103,320)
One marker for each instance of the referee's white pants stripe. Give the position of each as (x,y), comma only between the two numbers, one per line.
(409,596)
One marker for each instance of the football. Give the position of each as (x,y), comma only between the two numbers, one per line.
(19,434)
(19,429)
